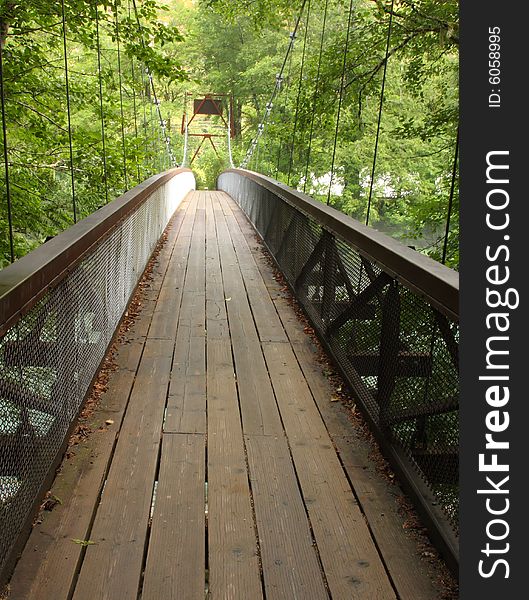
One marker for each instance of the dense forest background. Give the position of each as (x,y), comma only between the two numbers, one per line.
(129,69)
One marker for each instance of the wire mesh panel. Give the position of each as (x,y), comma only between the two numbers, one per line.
(397,347)
(49,356)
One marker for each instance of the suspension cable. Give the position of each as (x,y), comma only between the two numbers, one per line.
(340,99)
(153,133)
(316,90)
(296,114)
(283,107)
(451,199)
(146,137)
(116,15)
(379,114)
(133,73)
(269,105)
(6,159)
(67,82)
(100,77)
(166,138)
(186,136)
(229,135)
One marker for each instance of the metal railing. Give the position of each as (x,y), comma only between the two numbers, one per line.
(59,309)
(389,317)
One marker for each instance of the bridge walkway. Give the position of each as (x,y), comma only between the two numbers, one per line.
(218,463)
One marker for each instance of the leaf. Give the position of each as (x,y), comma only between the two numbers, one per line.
(83,543)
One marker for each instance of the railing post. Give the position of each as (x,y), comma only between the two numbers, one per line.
(329,276)
(389,351)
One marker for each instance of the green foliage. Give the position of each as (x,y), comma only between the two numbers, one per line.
(240,46)
(261,13)
(237,47)
(36,108)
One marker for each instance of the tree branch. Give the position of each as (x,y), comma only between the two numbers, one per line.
(372,73)
(40,114)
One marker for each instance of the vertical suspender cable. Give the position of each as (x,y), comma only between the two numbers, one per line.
(340,99)
(166,139)
(229,136)
(116,10)
(296,114)
(160,118)
(451,199)
(133,72)
(258,158)
(315,95)
(266,152)
(145,124)
(74,203)
(154,131)
(158,136)
(100,77)
(184,159)
(151,122)
(6,159)
(135,116)
(287,86)
(278,158)
(279,79)
(379,114)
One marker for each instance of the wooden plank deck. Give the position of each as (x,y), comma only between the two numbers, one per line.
(226,471)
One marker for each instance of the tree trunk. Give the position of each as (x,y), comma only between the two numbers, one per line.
(4,22)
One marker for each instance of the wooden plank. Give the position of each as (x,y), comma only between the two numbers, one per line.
(349,556)
(353,568)
(170,234)
(233,560)
(290,563)
(48,565)
(176,561)
(165,317)
(112,567)
(112,564)
(379,501)
(268,324)
(259,411)
(151,288)
(233,549)
(195,276)
(186,405)
(50,559)
(216,317)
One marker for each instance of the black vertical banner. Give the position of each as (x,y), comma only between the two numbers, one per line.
(494,167)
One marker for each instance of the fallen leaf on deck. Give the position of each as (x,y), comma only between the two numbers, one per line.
(83,542)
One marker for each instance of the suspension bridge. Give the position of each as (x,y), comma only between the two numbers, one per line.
(171,368)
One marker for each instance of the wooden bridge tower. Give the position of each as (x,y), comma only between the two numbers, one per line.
(202,123)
